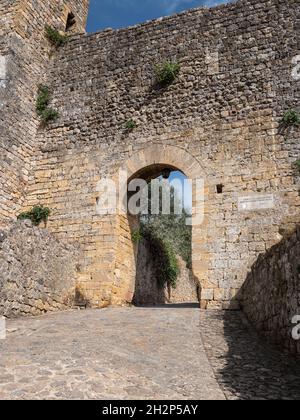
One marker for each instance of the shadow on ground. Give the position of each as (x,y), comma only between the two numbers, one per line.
(171,306)
(245,365)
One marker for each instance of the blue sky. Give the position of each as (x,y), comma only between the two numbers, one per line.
(121,13)
(185,191)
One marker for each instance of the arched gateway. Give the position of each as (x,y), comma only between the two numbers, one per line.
(147,164)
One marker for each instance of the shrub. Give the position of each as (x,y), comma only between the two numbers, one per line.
(170,271)
(172,227)
(49,115)
(130,125)
(43,99)
(136,236)
(45,113)
(37,215)
(291,118)
(55,37)
(164,256)
(166,73)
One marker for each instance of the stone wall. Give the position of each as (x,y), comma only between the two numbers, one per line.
(219,121)
(37,272)
(149,292)
(270,296)
(25,55)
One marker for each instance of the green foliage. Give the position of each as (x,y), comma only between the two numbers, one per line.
(174,230)
(37,215)
(297,163)
(55,37)
(166,73)
(49,115)
(45,113)
(42,99)
(137,236)
(291,118)
(167,236)
(164,256)
(130,125)
(171,228)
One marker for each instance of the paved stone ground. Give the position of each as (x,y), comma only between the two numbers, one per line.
(116,353)
(142,353)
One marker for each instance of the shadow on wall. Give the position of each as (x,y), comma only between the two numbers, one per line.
(147,290)
(80,300)
(270,296)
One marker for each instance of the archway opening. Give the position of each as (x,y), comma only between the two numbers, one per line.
(148,164)
(159,210)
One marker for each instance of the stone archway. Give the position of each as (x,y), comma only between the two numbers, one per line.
(144,164)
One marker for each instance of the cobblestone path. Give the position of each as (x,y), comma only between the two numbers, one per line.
(142,353)
(245,366)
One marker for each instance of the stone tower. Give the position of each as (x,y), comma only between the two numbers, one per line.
(25,55)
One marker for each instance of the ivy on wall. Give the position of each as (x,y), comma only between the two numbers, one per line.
(164,256)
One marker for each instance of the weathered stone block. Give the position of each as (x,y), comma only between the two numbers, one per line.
(207,294)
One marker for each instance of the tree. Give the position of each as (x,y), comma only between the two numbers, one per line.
(171,228)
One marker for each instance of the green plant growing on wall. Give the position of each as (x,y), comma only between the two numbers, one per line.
(49,115)
(291,118)
(166,73)
(171,227)
(130,125)
(43,110)
(297,164)
(170,272)
(137,236)
(42,99)
(37,215)
(164,256)
(55,37)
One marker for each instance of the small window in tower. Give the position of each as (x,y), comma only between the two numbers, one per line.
(220,188)
(71,22)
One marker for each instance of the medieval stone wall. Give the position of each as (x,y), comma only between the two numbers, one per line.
(271,294)
(37,272)
(223,111)
(25,55)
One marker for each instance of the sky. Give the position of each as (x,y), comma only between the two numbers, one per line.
(122,13)
(184,192)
